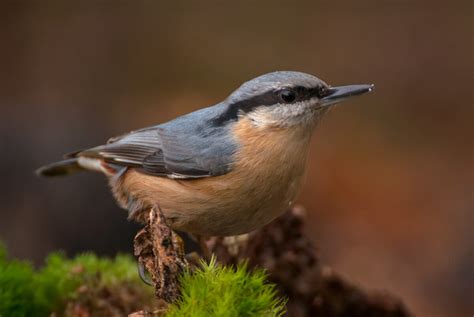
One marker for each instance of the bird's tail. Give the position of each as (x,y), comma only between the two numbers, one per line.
(65,167)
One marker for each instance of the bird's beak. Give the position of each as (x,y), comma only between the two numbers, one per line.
(341,93)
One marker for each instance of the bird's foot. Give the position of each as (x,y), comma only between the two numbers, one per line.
(206,254)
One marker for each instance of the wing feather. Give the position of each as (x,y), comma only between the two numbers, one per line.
(165,152)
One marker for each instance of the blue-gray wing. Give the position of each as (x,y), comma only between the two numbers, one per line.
(177,150)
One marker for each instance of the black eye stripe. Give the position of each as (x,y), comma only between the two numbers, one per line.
(304,93)
(308,93)
(268,98)
(288,95)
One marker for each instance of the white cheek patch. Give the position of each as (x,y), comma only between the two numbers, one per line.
(283,114)
(260,118)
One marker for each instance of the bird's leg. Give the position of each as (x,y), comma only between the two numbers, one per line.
(194,259)
(160,252)
(201,240)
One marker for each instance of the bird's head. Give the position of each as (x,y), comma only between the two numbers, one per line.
(286,98)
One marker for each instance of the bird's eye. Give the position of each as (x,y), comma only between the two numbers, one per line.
(322,91)
(287,95)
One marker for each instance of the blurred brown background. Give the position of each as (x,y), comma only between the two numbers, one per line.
(390,185)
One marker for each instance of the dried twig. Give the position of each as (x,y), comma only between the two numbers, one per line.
(161,252)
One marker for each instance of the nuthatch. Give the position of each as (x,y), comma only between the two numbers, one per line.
(223,170)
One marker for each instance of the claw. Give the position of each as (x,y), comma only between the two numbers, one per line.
(143,274)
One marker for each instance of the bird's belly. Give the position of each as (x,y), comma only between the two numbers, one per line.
(234,210)
(225,205)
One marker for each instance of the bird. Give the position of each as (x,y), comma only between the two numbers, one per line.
(222,170)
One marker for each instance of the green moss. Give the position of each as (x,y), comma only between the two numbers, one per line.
(58,281)
(16,293)
(92,282)
(26,292)
(215,290)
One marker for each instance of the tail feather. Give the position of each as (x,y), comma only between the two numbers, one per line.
(60,168)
